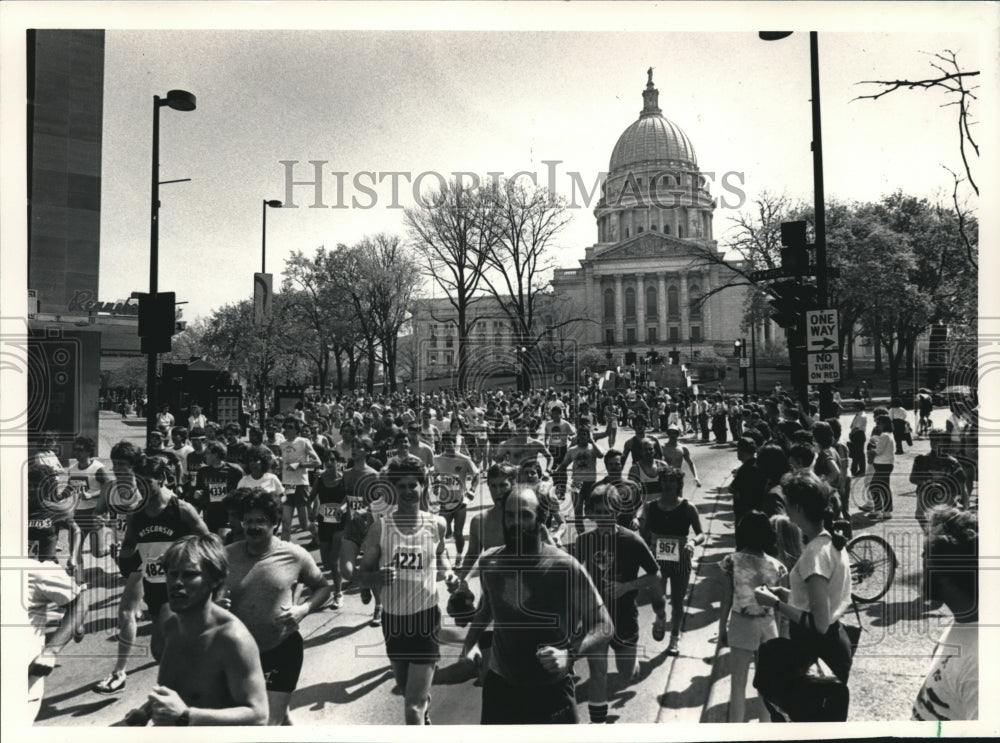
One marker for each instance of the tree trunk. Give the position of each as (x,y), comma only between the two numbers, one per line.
(910,343)
(340,370)
(370,376)
(877,341)
(463,348)
(849,344)
(352,371)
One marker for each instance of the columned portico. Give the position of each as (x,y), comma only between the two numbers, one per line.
(661,293)
(685,309)
(640,308)
(619,310)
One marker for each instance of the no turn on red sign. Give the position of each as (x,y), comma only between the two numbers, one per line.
(822,330)
(824,367)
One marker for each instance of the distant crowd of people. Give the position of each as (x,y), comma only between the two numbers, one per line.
(200,524)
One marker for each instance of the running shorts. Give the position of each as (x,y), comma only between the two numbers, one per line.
(413,638)
(282,664)
(505,703)
(155,597)
(297,497)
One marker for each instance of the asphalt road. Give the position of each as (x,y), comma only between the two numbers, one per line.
(346,677)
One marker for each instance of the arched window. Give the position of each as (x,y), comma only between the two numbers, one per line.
(680,230)
(650,302)
(694,292)
(626,232)
(609,305)
(652,228)
(640,228)
(630,303)
(673,305)
(666,229)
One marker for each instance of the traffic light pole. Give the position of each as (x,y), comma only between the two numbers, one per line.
(826,407)
(154,260)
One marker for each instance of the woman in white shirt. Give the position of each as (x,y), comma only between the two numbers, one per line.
(883,462)
(820,581)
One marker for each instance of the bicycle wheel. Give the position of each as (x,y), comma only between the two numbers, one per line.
(873,567)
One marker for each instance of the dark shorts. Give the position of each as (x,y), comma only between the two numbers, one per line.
(505,703)
(155,596)
(298,497)
(626,630)
(327,530)
(88,520)
(282,664)
(413,638)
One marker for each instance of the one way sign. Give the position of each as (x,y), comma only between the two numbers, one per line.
(822,330)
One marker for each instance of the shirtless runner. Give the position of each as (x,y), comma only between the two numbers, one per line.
(210,673)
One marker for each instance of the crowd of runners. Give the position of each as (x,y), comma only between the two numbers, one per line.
(200,523)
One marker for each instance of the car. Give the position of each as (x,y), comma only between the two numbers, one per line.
(960,393)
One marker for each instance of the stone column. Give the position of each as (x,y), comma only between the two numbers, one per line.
(685,314)
(640,308)
(661,293)
(593,304)
(706,310)
(619,311)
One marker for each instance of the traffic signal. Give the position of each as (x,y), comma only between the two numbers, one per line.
(737,349)
(157,321)
(795,253)
(791,300)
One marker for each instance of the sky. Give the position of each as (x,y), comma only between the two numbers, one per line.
(550,100)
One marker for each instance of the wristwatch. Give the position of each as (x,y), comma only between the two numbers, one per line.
(184,719)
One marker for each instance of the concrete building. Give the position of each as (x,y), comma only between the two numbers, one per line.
(65,111)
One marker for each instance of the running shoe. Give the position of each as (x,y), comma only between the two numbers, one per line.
(312,545)
(659,629)
(673,648)
(427,718)
(366,595)
(113,684)
(337,599)
(376,618)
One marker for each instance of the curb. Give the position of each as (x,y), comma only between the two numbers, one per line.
(699,646)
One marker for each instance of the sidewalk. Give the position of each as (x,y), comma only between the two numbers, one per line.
(113,429)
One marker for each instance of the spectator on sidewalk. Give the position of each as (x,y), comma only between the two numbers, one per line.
(951,571)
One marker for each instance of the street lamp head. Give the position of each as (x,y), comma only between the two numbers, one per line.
(180,100)
(774,35)
(273,203)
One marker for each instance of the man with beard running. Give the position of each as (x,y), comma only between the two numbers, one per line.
(404,552)
(163,519)
(210,673)
(612,556)
(263,573)
(546,614)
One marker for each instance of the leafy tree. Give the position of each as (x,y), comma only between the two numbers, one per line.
(453,234)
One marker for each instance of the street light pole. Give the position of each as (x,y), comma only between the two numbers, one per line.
(826,408)
(273,203)
(179,100)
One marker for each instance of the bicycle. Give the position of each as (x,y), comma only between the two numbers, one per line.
(873,567)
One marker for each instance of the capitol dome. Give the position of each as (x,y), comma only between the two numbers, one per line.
(652,140)
(653,182)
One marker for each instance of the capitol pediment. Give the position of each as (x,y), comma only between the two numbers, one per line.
(649,245)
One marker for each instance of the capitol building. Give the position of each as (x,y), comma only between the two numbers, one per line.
(642,284)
